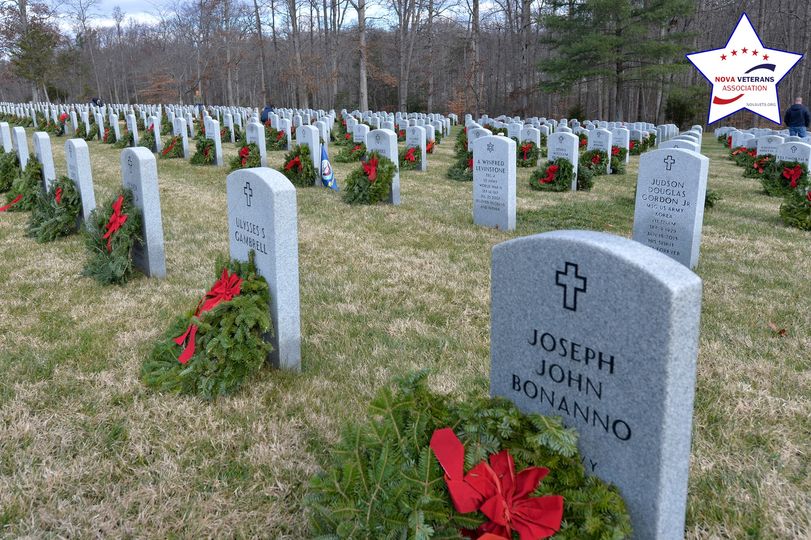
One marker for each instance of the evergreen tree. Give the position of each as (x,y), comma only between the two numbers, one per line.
(620,41)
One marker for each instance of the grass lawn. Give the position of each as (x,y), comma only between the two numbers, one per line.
(87,451)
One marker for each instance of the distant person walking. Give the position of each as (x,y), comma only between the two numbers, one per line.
(265,112)
(797,118)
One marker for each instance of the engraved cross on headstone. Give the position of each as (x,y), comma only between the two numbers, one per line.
(572,283)
(248,193)
(669,161)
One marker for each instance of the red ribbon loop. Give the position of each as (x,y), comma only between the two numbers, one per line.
(296,161)
(551,173)
(58,195)
(17,199)
(370,169)
(117,220)
(525,150)
(410,155)
(793,175)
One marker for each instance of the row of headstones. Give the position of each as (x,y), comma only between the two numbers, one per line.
(671,187)
(788,148)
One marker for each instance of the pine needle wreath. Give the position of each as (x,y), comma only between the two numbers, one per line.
(351,154)
(275,139)
(239,136)
(298,166)
(226,347)
(785,177)
(410,158)
(527,154)
(9,170)
(382,480)
(127,140)
(460,146)
(636,147)
(711,197)
(109,135)
(110,259)
(583,141)
(57,212)
(147,140)
(204,152)
(91,132)
(595,160)
(166,126)
(553,176)
(462,169)
(761,167)
(248,157)
(744,157)
(371,182)
(173,148)
(618,159)
(796,209)
(401,135)
(25,189)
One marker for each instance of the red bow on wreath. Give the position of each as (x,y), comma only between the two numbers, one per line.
(168,148)
(58,195)
(583,142)
(596,159)
(225,289)
(357,147)
(17,199)
(729,141)
(280,135)
(808,196)
(525,149)
(470,163)
(429,147)
(347,136)
(497,491)
(551,173)
(752,152)
(244,152)
(615,150)
(117,220)
(409,155)
(63,117)
(631,145)
(370,169)
(793,174)
(296,161)
(738,150)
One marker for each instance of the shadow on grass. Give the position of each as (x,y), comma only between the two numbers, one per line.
(615,216)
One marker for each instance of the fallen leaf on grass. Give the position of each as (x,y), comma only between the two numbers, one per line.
(779,331)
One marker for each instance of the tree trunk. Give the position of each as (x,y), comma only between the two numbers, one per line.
(301,92)
(262,79)
(526,25)
(430,52)
(363,91)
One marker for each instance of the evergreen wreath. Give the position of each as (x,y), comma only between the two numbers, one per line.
(785,177)
(553,176)
(275,139)
(742,156)
(371,182)
(527,154)
(173,148)
(710,198)
(618,160)
(462,169)
(127,140)
(239,136)
(213,349)
(796,209)
(147,140)
(383,479)
(410,158)
(401,135)
(248,157)
(298,166)
(166,126)
(25,189)
(583,141)
(437,136)
(61,125)
(204,152)
(109,135)
(761,167)
(56,213)
(91,131)
(429,146)
(9,169)
(350,154)
(112,231)
(595,160)
(460,146)
(635,147)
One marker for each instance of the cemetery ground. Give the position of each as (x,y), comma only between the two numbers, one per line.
(87,450)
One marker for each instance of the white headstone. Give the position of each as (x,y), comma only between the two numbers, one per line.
(384,141)
(42,151)
(255,133)
(309,136)
(77,157)
(565,145)
(415,138)
(494,182)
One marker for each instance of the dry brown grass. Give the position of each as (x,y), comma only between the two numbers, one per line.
(87,451)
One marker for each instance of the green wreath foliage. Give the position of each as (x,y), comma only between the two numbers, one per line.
(437,136)
(251,160)
(29,185)
(275,139)
(743,157)
(239,136)
(562,180)
(166,126)
(777,185)
(91,132)
(360,190)
(108,137)
(410,165)
(147,140)
(462,169)
(229,345)
(383,481)
(127,140)
(588,158)
(796,209)
(173,148)
(204,153)
(9,170)
(115,266)
(460,146)
(51,219)
(351,154)
(530,159)
(761,167)
(711,198)
(618,160)
(303,174)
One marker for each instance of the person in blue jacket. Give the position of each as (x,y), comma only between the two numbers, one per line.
(265,112)
(797,118)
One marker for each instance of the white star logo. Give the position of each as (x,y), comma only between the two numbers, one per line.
(744,74)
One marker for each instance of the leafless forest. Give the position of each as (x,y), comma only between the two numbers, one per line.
(586,58)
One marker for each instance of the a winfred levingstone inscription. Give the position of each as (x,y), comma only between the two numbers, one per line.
(602,331)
